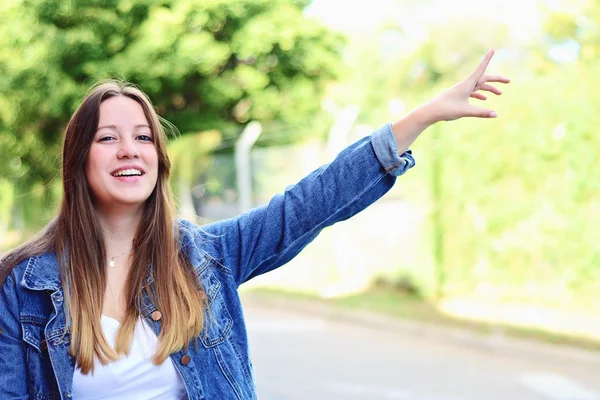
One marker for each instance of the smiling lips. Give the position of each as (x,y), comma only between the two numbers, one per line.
(128,173)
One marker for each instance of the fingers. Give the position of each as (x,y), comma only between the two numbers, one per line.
(477,95)
(489,88)
(494,78)
(478,73)
(481,112)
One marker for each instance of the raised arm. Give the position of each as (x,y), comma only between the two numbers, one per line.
(270,236)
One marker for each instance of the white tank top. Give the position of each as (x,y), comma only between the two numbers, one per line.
(133,377)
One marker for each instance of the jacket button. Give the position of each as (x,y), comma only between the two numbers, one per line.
(156,315)
(185,360)
(44,345)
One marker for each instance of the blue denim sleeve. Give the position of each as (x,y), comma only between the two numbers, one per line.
(384,145)
(269,236)
(13,374)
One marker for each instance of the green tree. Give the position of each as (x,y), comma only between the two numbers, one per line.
(206,65)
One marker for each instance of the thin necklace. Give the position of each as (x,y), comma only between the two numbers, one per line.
(111,263)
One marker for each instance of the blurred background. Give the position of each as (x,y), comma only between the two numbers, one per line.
(499,220)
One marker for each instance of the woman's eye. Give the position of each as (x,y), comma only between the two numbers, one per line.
(145,138)
(105,139)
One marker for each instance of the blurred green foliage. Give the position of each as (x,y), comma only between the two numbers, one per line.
(577,27)
(513,203)
(520,198)
(206,65)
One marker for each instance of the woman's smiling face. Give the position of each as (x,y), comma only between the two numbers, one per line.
(122,163)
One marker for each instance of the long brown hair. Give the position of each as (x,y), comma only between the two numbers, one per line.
(76,238)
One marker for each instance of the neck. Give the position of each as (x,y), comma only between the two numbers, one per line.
(119,229)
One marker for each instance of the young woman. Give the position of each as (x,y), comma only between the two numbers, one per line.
(115,299)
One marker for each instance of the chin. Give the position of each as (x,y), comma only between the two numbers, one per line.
(134,200)
(138,201)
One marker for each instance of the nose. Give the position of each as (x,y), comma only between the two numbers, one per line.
(128,149)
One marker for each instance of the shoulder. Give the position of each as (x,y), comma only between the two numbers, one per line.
(186,228)
(37,272)
(201,248)
(193,234)
(189,234)
(27,282)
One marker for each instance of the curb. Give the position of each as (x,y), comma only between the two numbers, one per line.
(496,343)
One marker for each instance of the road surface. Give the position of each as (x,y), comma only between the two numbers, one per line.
(297,356)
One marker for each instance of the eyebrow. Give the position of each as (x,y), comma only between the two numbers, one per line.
(115,127)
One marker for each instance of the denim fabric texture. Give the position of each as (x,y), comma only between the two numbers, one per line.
(34,358)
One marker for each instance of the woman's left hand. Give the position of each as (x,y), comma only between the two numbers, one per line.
(449,105)
(454,103)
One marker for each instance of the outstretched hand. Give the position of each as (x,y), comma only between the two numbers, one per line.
(449,105)
(454,103)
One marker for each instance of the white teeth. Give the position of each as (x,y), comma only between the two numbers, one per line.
(128,172)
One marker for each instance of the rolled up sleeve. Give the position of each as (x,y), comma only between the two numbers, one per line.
(384,145)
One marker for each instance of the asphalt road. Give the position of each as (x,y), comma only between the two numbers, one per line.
(297,356)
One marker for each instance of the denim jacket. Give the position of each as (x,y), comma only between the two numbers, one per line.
(34,343)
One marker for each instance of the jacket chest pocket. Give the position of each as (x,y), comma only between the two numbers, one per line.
(41,381)
(217,320)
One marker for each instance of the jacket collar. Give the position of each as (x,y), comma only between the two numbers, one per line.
(41,273)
